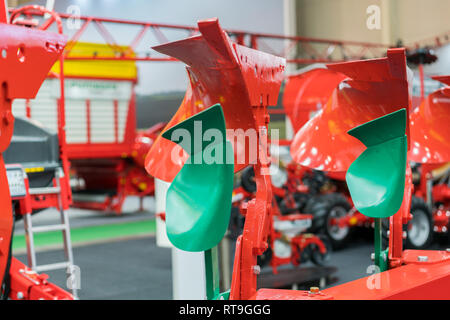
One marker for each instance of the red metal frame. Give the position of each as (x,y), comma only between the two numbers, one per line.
(309,49)
(27,57)
(413,280)
(129,179)
(43,201)
(91,150)
(116,169)
(312,49)
(26,284)
(435,42)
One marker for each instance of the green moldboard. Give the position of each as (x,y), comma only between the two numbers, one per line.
(198,205)
(198,202)
(376,179)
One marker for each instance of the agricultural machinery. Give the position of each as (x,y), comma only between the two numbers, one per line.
(27,56)
(198,152)
(289,243)
(333,210)
(430,151)
(100,137)
(105,149)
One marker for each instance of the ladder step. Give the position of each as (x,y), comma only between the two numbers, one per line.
(52,266)
(49,190)
(53,227)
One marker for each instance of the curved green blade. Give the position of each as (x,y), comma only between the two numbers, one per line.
(376,179)
(198,203)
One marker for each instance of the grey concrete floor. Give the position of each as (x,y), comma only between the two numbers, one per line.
(136,268)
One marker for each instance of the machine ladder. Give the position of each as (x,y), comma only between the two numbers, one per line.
(64,227)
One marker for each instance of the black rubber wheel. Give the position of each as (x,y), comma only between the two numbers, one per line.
(316,256)
(384,233)
(236,224)
(419,231)
(444,238)
(305,255)
(300,200)
(5,284)
(264,259)
(324,208)
(248,180)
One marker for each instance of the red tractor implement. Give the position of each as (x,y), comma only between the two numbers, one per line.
(99,138)
(374,90)
(27,57)
(338,221)
(430,151)
(289,243)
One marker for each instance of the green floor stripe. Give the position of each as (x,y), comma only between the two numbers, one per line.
(92,233)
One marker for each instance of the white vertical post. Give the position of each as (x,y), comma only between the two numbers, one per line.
(160,207)
(188,275)
(290,29)
(387,35)
(188,268)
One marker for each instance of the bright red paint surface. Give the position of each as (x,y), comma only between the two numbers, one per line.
(376,87)
(222,72)
(307,92)
(430,127)
(26,58)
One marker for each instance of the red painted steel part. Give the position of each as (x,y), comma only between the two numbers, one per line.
(430,133)
(237,77)
(376,87)
(428,280)
(143,142)
(105,150)
(307,92)
(413,281)
(158,162)
(26,57)
(315,50)
(28,285)
(244,82)
(425,276)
